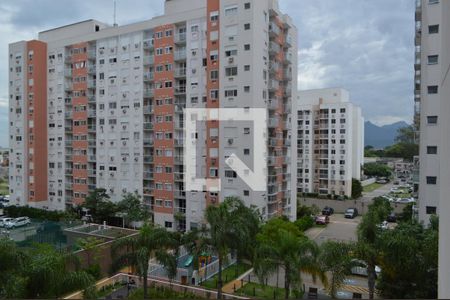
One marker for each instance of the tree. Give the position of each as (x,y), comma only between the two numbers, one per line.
(12,262)
(90,246)
(99,205)
(409,262)
(336,259)
(377,170)
(367,247)
(285,247)
(132,208)
(403,150)
(226,228)
(406,135)
(356,188)
(51,273)
(136,251)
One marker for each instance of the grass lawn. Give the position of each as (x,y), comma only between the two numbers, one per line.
(228,275)
(263,291)
(372,187)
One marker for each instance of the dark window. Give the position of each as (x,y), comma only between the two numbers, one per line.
(431,210)
(432,119)
(247,47)
(432,89)
(246,192)
(431,179)
(168,224)
(433,59)
(247,5)
(431,149)
(433,29)
(246,26)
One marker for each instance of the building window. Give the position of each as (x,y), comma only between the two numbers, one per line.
(231,11)
(246,192)
(247,89)
(432,119)
(231,71)
(431,210)
(433,59)
(247,5)
(247,68)
(230,174)
(432,29)
(431,149)
(214,74)
(433,1)
(247,47)
(431,179)
(247,26)
(432,89)
(246,151)
(214,16)
(168,224)
(230,93)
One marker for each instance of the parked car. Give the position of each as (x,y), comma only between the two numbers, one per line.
(405,200)
(327,211)
(350,213)
(384,225)
(361,270)
(396,182)
(322,220)
(18,222)
(4,220)
(391,218)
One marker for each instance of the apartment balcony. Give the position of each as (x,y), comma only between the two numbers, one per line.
(179,160)
(92,143)
(68,101)
(274,48)
(273,85)
(92,128)
(92,158)
(287,143)
(149,60)
(178,176)
(179,143)
(178,125)
(148,175)
(92,173)
(148,76)
(180,72)
(68,114)
(272,104)
(149,143)
(91,99)
(149,93)
(148,126)
(179,55)
(274,67)
(148,109)
(68,185)
(274,30)
(272,123)
(68,73)
(180,89)
(92,113)
(287,75)
(149,44)
(68,128)
(272,199)
(179,194)
(68,86)
(180,210)
(148,159)
(179,38)
(68,171)
(91,69)
(91,84)
(68,59)
(68,143)
(69,157)
(273,142)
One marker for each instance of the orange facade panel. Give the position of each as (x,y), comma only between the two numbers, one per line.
(37,116)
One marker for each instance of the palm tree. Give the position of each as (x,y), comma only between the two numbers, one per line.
(368,238)
(226,226)
(292,252)
(335,258)
(137,250)
(51,273)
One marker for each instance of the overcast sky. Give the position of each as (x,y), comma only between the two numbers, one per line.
(365,46)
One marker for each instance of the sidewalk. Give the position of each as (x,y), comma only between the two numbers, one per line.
(237,283)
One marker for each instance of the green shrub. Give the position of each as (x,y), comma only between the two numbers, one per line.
(36,213)
(304,223)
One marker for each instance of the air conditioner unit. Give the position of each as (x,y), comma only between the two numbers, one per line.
(230,141)
(124,111)
(231,60)
(111,174)
(100,173)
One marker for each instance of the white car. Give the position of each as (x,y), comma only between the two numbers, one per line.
(17,222)
(3,221)
(362,269)
(405,200)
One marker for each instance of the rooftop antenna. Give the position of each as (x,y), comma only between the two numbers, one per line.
(115,24)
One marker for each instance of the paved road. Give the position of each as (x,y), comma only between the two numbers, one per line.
(339,229)
(383,190)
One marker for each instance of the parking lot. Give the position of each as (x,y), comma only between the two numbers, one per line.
(339,229)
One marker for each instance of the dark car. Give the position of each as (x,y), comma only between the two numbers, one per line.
(351,213)
(392,218)
(327,211)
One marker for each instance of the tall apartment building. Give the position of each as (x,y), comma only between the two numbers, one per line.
(330,142)
(98,106)
(432,62)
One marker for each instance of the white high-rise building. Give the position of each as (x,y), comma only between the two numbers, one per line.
(330,142)
(433,91)
(99,106)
